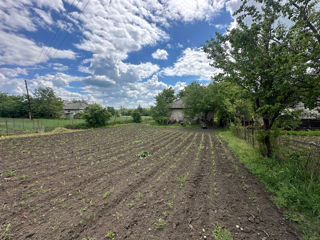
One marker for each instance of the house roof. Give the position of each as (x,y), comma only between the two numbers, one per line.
(178,104)
(74,106)
(306,112)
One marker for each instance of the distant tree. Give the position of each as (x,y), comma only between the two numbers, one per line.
(13,106)
(146,112)
(160,113)
(96,116)
(127,112)
(136,116)
(140,109)
(79,101)
(45,104)
(111,110)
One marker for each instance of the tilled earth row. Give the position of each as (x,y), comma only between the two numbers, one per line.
(84,185)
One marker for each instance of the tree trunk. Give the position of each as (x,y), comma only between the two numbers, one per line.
(267,139)
(267,142)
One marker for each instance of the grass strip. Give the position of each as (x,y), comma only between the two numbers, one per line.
(294,190)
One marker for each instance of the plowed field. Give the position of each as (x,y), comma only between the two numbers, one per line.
(84,185)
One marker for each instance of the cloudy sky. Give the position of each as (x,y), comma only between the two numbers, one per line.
(112,52)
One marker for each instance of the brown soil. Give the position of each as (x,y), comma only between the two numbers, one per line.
(82,185)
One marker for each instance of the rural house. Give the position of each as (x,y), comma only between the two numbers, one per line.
(178,115)
(310,119)
(70,109)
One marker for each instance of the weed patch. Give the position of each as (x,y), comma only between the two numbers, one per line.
(143,154)
(221,234)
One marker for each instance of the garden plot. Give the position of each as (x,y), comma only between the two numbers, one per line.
(132,182)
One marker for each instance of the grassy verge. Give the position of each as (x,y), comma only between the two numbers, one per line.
(294,190)
(189,126)
(301,133)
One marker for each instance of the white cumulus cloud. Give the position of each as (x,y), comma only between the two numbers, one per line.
(160,54)
(193,62)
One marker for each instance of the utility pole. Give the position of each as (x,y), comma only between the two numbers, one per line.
(30,111)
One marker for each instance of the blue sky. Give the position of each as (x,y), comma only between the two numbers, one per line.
(112,52)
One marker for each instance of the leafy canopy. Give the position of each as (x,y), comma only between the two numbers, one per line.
(160,112)
(96,116)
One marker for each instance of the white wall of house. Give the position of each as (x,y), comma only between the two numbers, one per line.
(177,115)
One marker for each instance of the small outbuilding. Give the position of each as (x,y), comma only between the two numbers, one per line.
(177,111)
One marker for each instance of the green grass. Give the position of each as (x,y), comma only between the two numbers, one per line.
(293,189)
(301,133)
(189,126)
(23,125)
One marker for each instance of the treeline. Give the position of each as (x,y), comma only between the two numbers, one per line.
(224,100)
(44,104)
(129,111)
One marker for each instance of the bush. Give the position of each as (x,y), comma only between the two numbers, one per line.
(136,117)
(96,116)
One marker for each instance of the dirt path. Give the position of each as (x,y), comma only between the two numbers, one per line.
(84,185)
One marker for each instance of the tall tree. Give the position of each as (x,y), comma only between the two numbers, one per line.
(46,104)
(275,77)
(12,106)
(160,112)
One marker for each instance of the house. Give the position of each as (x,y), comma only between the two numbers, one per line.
(310,119)
(177,111)
(70,109)
(178,115)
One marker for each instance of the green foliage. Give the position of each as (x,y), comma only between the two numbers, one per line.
(221,234)
(136,116)
(13,106)
(301,133)
(11,173)
(110,235)
(182,179)
(295,187)
(96,116)
(194,100)
(259,59)
(160,223)
(45,104)
(225,99)
(160,113)
(106,194)
(111,110)
(4,234)
(143,154)
(288,120)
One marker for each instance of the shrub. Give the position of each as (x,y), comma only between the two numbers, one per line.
(96,116)
(136,116)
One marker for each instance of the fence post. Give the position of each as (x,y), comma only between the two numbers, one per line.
(7,127)
(33,123)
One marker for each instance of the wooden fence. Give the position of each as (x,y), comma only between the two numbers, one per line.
(285,146)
